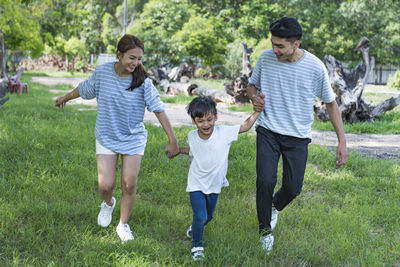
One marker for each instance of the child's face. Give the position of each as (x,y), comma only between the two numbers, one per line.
(205,125)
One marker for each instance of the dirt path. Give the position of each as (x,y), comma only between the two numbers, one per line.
(376,145)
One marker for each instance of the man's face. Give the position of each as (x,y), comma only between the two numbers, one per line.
(284,49)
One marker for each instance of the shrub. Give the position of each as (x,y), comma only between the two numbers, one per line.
(394,81)
(233,61)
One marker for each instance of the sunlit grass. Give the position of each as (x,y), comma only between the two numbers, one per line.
(56,73)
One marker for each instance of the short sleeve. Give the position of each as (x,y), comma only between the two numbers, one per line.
(87,88)
(324,89)
(255,78)
(152,97)
(230,133)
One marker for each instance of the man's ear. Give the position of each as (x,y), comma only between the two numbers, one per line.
(297,44)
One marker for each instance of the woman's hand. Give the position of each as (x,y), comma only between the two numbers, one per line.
(172,149)
(61,101)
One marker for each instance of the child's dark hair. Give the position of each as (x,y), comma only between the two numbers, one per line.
(126,43)
(201,106)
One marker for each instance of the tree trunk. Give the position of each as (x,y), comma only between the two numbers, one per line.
(3,90)
(3,55)
(349,86)
(238,87)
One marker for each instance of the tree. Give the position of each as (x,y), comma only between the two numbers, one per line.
(19,27)
(203,38)
(156,26)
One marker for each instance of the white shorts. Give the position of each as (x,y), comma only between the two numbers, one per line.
(101,150)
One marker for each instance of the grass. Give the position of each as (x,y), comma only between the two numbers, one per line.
(217,84)
(346,216)
(56,73)
(177,99)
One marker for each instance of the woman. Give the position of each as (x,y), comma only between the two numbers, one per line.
(123,91)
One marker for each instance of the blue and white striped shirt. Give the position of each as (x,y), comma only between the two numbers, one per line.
(120,113)
(290,89)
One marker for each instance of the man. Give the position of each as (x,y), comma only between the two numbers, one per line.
(287,79)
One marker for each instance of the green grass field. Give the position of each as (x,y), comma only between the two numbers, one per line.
(347,216)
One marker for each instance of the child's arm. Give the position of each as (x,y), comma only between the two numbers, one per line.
(184,150)
(249,122)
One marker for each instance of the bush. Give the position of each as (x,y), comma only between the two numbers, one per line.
(202,72)
(81,66)
(233,61)
(262,45)
(394,81)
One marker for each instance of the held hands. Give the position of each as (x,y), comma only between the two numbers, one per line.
(341,154)
(172,150)
(258,102)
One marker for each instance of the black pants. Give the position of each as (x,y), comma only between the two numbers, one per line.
(294,152)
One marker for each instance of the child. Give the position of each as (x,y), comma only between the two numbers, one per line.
(209,146)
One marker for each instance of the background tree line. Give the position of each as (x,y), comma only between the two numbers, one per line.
(209,32)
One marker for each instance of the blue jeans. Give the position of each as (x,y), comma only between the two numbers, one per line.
(203,206)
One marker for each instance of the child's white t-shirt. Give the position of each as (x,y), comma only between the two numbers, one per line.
(207,172)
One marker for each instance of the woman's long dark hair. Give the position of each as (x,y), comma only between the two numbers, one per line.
(126,43)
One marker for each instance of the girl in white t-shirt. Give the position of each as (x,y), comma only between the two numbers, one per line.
(209,146)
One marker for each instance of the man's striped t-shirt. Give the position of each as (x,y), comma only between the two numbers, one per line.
(120,112)
(290,89)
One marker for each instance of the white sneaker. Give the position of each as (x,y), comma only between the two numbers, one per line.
(267,242)
(197,253)
(105,214)
(189,232)
(274,217)
(124,232)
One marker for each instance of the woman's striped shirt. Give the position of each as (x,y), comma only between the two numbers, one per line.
(120,112)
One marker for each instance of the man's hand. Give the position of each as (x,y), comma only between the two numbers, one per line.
(258,102)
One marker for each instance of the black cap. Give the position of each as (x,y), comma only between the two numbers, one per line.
(286,27)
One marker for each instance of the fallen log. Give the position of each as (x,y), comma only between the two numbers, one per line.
(217,95)
(238,87)
(182,87)
(349,85)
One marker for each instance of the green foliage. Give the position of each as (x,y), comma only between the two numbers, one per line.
(170,33)
(74,48)
(203,38)
(262,45)
(336,27)
(394,81)
(156,26)
(112,31)
(20,28)
(233,58)
(255,18)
